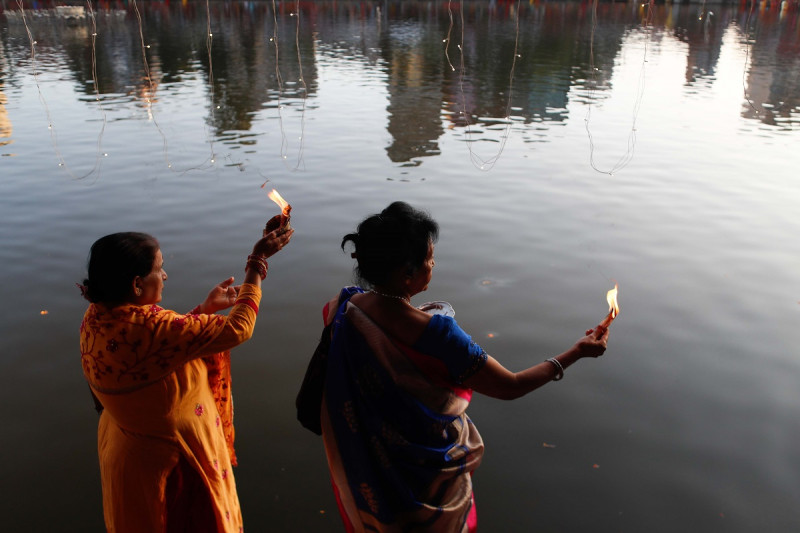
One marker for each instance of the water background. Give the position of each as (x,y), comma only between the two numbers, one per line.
(688,423)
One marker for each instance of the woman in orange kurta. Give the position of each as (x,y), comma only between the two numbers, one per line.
(165,436)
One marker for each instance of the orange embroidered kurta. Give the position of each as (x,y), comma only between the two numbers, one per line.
(164,381)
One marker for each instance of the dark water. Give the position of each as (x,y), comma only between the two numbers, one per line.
(689,423)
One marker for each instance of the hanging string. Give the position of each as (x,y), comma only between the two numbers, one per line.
(278,78)
(50,124)
(284,149)
(477,161)
(96,86)
(151,86)
(747,58)
(447,39)
(625,158)
(35,73)
(304,88)
(152,90)
(211,93)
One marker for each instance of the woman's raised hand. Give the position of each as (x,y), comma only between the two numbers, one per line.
(594,344)
(274,238)
(222,296)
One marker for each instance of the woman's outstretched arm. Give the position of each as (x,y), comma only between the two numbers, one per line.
(497,381)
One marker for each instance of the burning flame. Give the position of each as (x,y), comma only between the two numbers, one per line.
(278,199)
(611,298)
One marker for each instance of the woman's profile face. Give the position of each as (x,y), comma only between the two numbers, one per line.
(422,277)
(153,283)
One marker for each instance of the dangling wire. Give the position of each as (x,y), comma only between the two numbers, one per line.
(447,39)
(35,73)
(151,90)
(100,154)
(477,161)
(302,81)
(211,92)
(50,124)
(625,158)
(747,58)
(279,80)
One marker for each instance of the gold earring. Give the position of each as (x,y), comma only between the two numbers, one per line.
(138,292)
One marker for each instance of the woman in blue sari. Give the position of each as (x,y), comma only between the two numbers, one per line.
(400,446)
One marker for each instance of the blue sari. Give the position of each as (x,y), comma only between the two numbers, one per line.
(400,446)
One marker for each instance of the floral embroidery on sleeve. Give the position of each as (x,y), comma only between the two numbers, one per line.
(132,345)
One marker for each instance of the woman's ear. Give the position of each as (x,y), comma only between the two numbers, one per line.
(136,286)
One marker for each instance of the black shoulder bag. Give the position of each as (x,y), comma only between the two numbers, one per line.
(309,399)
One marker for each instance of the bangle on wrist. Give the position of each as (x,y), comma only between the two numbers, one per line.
(559,368)
(258,267)
(259,259)
(259,263)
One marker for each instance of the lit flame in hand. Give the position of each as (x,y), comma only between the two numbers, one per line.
(611,298)
(278,199)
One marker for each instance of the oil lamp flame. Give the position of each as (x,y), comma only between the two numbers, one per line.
(278,199)
(613,307)
(285,209)
(611,298)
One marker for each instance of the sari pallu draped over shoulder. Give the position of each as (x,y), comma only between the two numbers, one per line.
(400,446)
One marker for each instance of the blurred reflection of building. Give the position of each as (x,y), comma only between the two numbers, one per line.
(702,29)
(773,77)
(5,122)
(414,78)
(173,41)
(549,64)
(563,54)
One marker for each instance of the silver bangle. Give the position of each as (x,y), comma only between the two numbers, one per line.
(559,368)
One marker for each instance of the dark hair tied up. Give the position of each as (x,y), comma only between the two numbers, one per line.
(114,261)
(398,237)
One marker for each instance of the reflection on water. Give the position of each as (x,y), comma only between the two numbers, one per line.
(260,59)
(5,123)
(688,423)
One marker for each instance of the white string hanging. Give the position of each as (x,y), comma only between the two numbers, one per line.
(477,161)
(148,94)
(303,85)
(626,157)
(151,89)
(211,94)
(284,148)
(50,123)
(95,85)
(747,58)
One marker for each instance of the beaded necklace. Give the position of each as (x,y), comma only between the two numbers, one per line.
(403,298)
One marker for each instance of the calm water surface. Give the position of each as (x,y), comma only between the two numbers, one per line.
(499,118)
